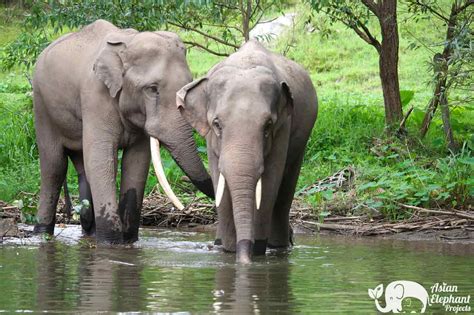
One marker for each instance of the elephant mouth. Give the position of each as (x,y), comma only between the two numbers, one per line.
(221,187)
(160,173)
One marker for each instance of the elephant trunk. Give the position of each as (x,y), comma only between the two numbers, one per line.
(184,151)
(242,176)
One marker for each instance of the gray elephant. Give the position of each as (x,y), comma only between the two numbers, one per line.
(256,110)
(99,90)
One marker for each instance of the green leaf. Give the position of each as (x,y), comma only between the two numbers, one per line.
(327,194)
(367,185)
(466,160)
(406,96)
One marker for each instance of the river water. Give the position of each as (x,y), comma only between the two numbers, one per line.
(180,271)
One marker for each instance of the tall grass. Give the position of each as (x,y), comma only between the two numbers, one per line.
(18,153)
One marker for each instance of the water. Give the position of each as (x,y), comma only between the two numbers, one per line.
(170,271)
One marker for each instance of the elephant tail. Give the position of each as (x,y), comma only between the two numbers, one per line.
(67,209)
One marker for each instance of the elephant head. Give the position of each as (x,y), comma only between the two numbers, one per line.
(143,71)
(240,111)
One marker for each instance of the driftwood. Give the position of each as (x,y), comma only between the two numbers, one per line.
(157,210)
(460,214)
(363,225)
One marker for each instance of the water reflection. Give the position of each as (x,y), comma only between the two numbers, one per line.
(104,279)
(263,287)
(179,272)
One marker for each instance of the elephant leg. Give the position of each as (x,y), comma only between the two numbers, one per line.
(100,161)
(135,167)
(281,235)
(263,216)
(87,212)
(53,168)
(225,234)
(271,181)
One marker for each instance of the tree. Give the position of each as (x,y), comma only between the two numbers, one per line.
(355,15)
(217,26)
(453,66)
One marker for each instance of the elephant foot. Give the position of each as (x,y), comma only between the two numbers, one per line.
(130,237)
(41,228)
(260,247)
(88,229)
(278,246)
(107,233)
(244,251)
(109,237)
(88,221)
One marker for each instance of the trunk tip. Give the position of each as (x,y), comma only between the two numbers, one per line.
(244,252)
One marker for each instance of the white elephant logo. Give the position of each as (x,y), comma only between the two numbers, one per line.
(395,292)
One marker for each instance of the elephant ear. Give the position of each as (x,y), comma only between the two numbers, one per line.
(109,65)
(192,103)
(287,99)
(399,291)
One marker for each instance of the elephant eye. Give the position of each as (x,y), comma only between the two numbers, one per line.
(153,90)
(268,128)
(217,126)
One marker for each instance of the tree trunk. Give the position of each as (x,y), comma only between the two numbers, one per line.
(246,11)
(388,64)
(448,131)
(430,111)
(441,90)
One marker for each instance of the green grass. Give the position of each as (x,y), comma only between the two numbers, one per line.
(349,130)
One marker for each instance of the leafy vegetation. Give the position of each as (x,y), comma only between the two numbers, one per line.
(349,131)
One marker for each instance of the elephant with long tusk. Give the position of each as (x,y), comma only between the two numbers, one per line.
(256,110)
(101,90)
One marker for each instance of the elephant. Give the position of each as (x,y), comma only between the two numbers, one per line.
(256,110)
(100,90)
(395,292)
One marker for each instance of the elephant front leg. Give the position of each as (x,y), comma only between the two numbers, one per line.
(135,167)
(271,179)
(281,234)
(100,158)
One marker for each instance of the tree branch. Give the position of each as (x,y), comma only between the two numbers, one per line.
(429,8)
(227,6)
(223,26)
(464,6)
(257,21)
(194,44)
(360,29)
(223,42)
(374,7)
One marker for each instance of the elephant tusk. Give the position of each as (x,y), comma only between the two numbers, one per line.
(258,193)
(220,189)
(160,173)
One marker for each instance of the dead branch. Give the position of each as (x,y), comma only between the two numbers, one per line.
(455,212)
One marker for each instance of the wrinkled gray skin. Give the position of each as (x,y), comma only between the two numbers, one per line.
(256,110)
(99,90)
